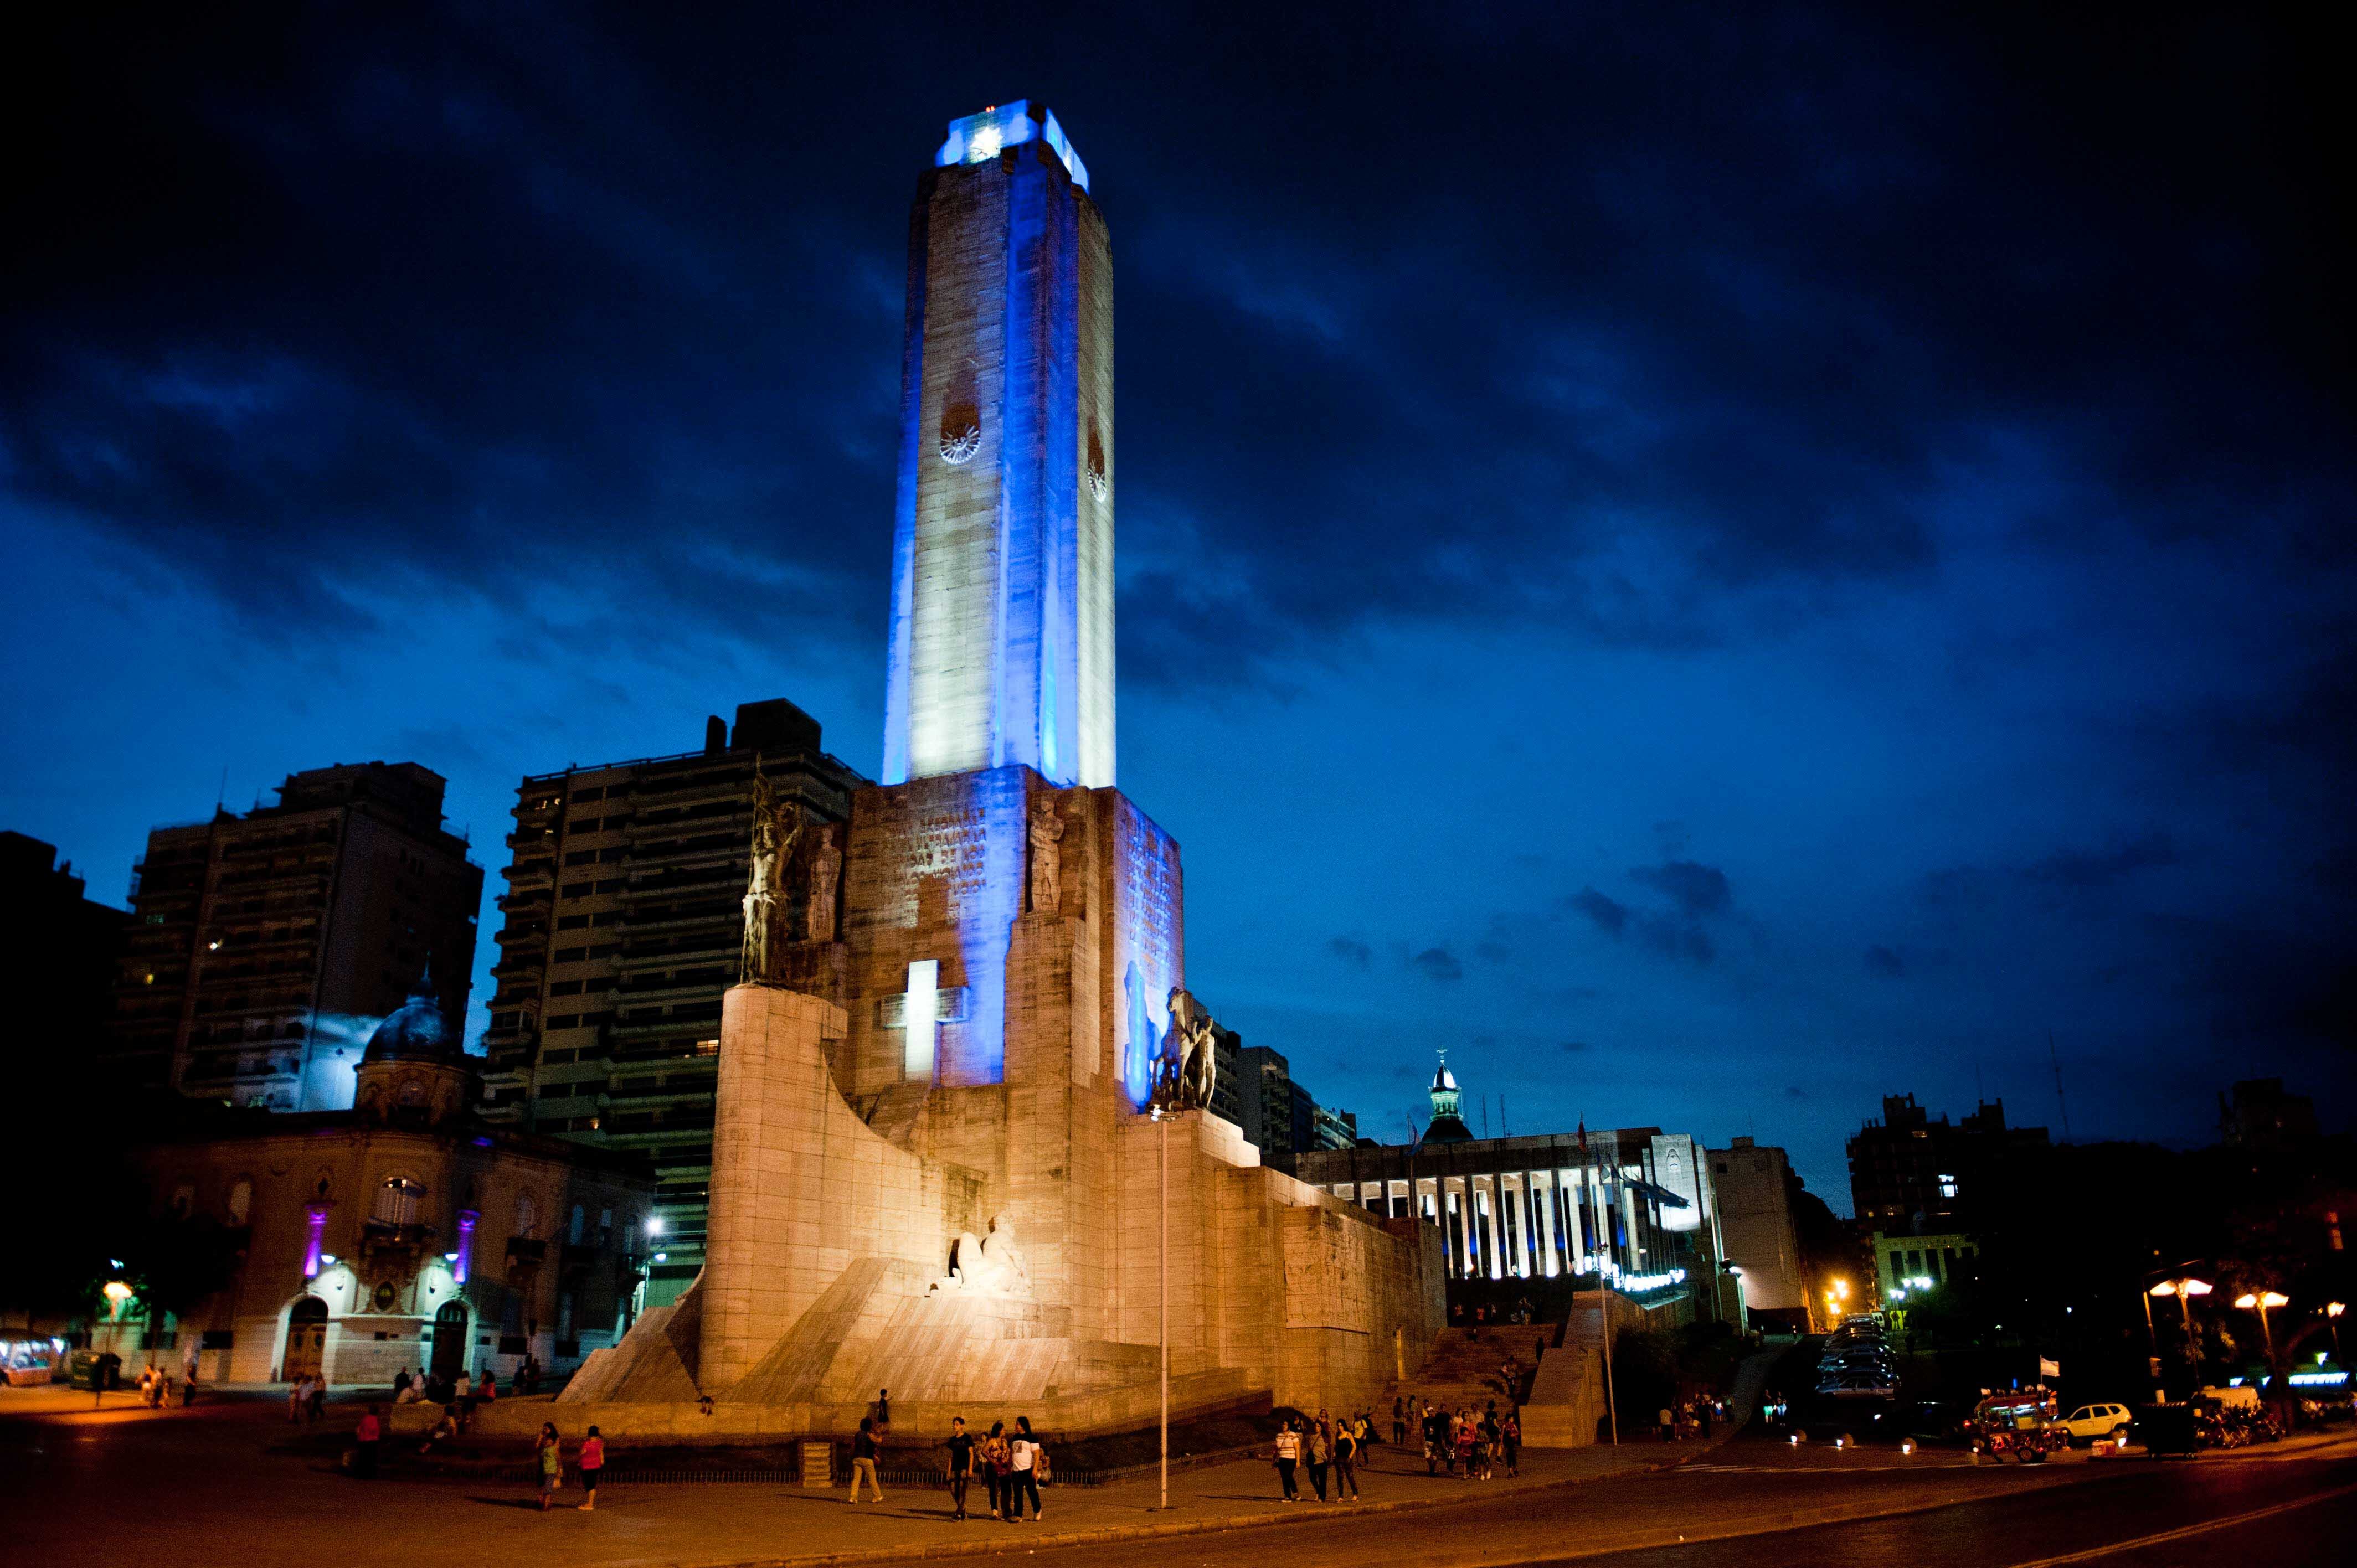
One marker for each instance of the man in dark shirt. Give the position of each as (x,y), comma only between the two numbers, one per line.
(961,1447)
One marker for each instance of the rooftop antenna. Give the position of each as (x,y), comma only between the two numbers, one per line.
(1503,1129)
(2059,1099)
(220,796)
(1485,1116)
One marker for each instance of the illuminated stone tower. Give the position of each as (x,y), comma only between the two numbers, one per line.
(1002,646)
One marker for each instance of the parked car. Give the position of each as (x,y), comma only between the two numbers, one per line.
(2091,1422)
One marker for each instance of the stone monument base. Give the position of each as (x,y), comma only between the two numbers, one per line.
(853,1252)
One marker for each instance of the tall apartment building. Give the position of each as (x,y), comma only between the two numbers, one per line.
(58,953)
(1274,1112)
(623,922)
(264,949)
(1913,1172)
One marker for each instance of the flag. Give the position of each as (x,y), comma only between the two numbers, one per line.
(2048,1367)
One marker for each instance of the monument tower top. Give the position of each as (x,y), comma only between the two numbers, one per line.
(1002,642)
(978,138)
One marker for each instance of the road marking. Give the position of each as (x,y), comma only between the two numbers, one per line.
(1826,1469)
(2191,1529)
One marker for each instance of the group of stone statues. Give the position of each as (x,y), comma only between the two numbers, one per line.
(1187,1068)
(778,830)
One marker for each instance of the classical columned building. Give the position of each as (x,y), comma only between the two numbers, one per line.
(1631,1204)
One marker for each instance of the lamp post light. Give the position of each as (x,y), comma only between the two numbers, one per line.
(1184,1073)
(2332,1311)
(2184,1288)
(2263,1301)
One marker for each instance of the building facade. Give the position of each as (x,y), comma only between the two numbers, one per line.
(1907,1266)
(402,1233)
(1634,1205)
(58,955)
(1754,1187)
(265,948)
(1913,1172)
(622,924)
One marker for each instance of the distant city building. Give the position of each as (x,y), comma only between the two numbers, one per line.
(1276,1113)
(1910,1172)
(265,948)
(1907,1266)
(399,1234)
(1634,1204)
(2261,1115)
(1753,1185)
(58,953)
(623,923)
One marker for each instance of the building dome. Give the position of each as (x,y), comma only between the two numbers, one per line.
(1444,1081)
(416,1031)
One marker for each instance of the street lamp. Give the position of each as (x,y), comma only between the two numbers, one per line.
(2184,1288)
(2263,1301)
(1183,1078)
(2332,1311)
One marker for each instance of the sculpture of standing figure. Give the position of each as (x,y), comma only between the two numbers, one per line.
(1188,1070)
(777,828)
(825,871)
(1047,861)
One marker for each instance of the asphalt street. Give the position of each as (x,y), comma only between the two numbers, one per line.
(206,1487)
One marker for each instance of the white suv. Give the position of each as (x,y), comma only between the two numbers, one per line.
(2089,1422)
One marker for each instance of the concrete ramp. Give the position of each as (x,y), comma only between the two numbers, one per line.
(654,1363)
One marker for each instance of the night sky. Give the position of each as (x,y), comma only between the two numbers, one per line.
(1718,563)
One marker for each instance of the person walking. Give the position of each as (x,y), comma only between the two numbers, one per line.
(592,1460)
(1321,1454)
(1346,1451)
(1510,1439)
(317,1404)
(1435,1435)
(1702,1419)
(1023,1478)
(550,1452)
(490,1391)
(400,1384)
(295,1391)
(863,1460)
(1288,1455)
(883,1410)
(366,1437)
(961,1449)
(1668,1424)
(1399,1423)
(1466,1436)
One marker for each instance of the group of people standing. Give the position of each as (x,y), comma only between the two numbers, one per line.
(1469,1444)
(589,1462)
(1010,1463)
(1690,1418)
(1328,1447)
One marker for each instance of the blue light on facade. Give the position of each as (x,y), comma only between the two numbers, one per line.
(978,138)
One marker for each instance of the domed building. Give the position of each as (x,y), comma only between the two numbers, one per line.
(415,1072)
(401,1234)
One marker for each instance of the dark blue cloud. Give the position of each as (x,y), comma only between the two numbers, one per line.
(1899,458)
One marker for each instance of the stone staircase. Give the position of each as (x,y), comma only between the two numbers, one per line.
(1463,1368)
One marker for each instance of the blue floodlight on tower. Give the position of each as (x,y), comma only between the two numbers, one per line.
(1002,646)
